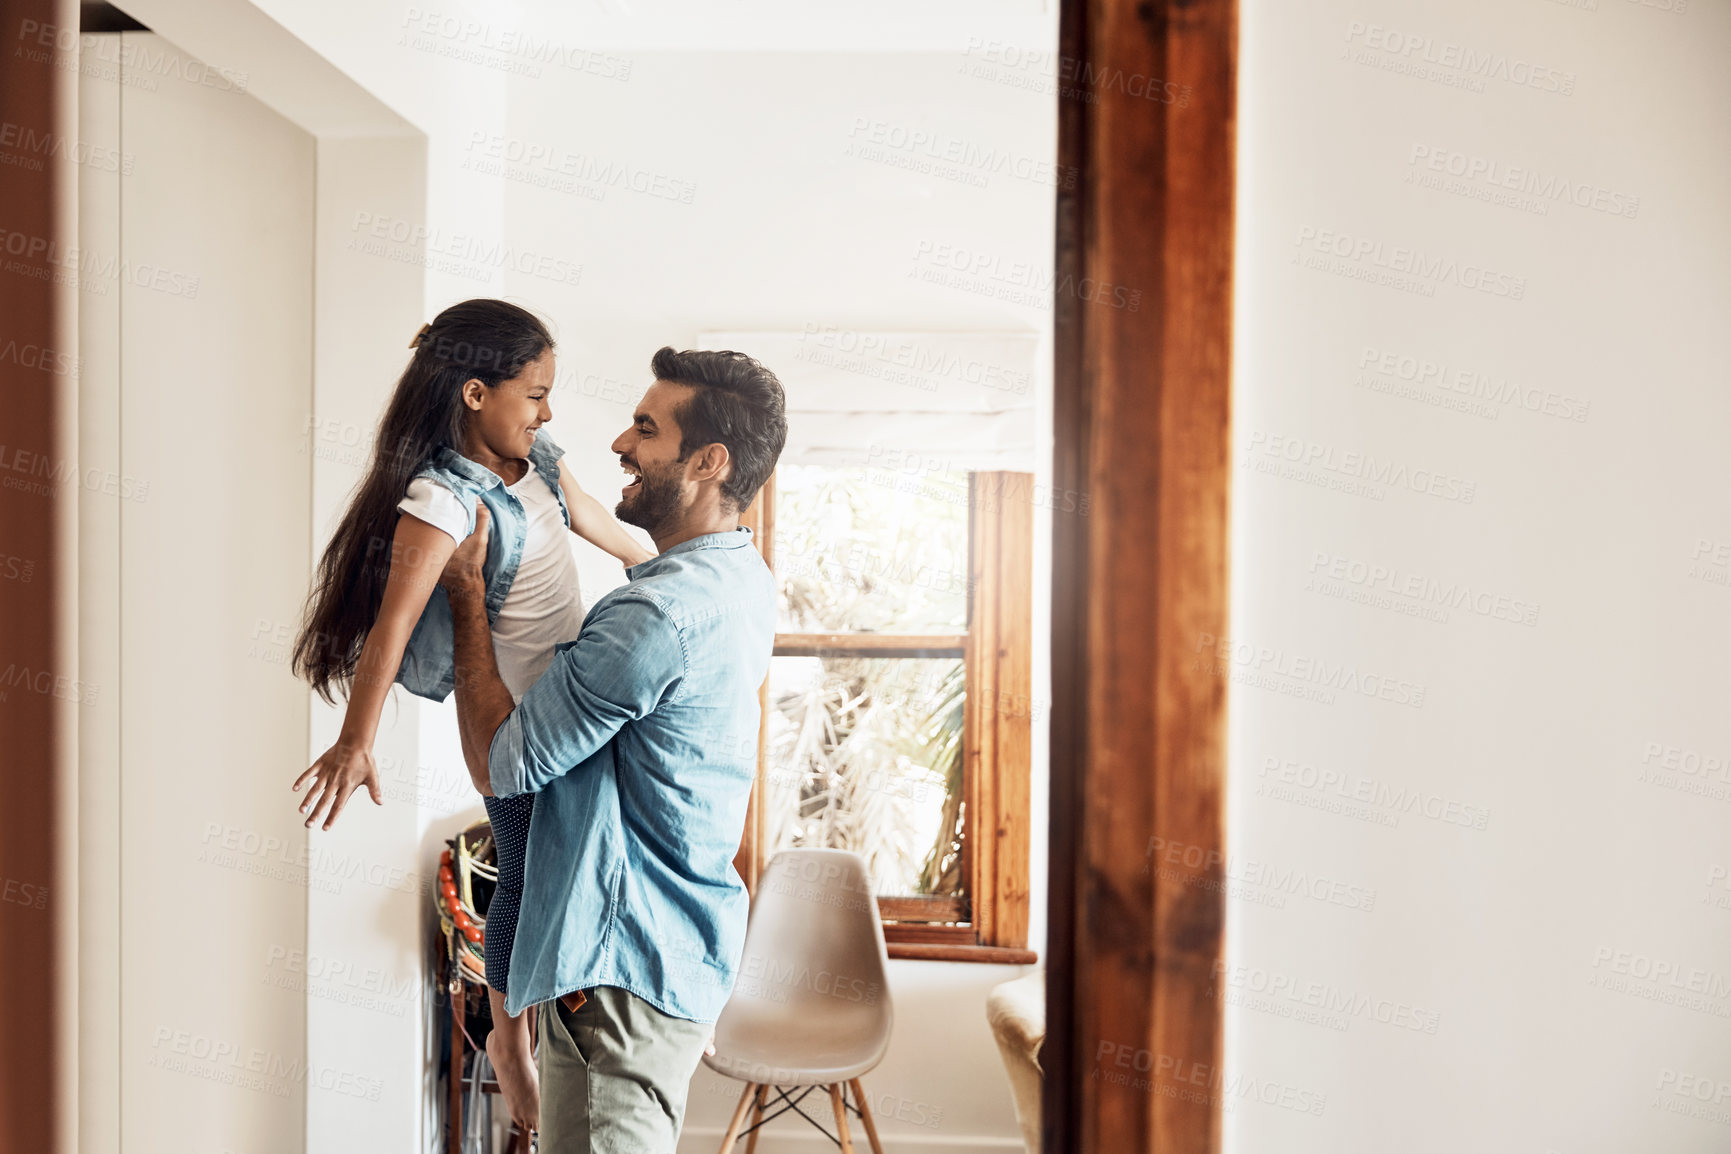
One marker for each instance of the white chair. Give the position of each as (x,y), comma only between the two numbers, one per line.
(811,1007)
(1016,1011)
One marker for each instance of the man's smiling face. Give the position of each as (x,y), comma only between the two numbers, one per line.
(649,453)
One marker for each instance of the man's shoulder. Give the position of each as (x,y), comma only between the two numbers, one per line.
(704,584)
(635,599)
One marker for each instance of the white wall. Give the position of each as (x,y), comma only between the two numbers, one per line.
(1528,940)
(99,624)
(364,952)
(313,967)
(361,960)
(195,281)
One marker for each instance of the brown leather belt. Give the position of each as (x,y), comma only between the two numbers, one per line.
(574,1000)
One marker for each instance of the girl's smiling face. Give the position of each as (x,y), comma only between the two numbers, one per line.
(503,419)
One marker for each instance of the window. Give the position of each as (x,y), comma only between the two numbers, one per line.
(897,708)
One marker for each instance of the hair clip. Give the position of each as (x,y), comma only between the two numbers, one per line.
(416,343)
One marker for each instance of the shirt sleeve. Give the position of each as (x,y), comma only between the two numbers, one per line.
(624,663)
(429,501)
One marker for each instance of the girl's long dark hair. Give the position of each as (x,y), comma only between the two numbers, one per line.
(487,340)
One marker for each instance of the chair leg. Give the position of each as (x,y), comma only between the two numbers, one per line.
(756,1120)
(865,1113)
(840,1117)
(454,1109)
(732,1135)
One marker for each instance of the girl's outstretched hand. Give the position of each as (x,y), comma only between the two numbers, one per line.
(335,777)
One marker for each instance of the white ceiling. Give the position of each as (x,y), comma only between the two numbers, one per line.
(775,25)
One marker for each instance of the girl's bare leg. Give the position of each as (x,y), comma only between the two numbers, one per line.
(510,1050)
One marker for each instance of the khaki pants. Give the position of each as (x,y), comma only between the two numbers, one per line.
(614,1075)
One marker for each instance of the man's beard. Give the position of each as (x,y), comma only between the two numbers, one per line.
(654,503)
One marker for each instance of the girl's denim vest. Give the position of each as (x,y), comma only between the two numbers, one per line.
(429,665)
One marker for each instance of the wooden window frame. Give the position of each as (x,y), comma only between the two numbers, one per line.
(997,656)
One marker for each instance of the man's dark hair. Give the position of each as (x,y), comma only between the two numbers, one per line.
(738,403)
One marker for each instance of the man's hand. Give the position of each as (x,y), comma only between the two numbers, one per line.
(463,572)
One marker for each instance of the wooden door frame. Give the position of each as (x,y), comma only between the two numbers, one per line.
(38,642)
(1143,338)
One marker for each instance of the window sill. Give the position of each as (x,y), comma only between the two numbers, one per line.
(943,952)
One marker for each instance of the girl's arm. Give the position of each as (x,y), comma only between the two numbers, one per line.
(418,554)
(596,525)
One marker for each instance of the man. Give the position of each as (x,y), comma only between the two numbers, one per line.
(642,739)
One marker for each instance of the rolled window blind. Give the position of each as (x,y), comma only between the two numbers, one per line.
(857,397)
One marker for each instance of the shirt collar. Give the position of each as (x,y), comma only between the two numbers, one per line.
(727,539)
(454,461)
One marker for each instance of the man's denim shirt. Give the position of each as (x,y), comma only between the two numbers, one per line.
(429,668)
(642,739)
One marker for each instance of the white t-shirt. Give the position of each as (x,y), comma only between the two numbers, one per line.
(545,604)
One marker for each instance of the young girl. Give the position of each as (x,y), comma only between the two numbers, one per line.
(463,429)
